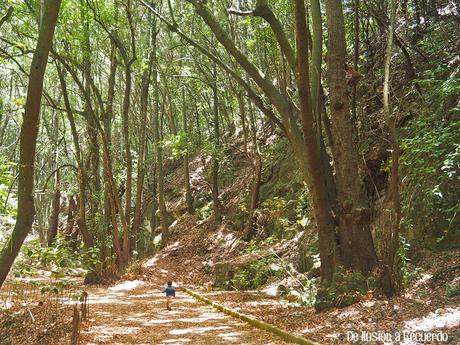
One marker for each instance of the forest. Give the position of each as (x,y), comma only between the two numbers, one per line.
(229,172)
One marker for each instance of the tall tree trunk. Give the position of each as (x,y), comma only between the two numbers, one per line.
(128,159)
(28,140)
(215,158)
(392,285)
(256,178)
(356,244)
(55,210)
(188,189)
(107,125)
(56,201)
(164,217)
(94,157)
(82,178)
(316,180)
(244,126)
(355,59)
(145,84)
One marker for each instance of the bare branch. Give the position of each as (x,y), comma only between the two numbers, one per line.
(239,13)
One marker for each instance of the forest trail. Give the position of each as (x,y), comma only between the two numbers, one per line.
(133,312)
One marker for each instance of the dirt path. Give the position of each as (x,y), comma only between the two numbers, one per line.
(133,312)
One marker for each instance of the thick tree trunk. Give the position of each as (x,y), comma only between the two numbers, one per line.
(316,181)
(355,59)
(28,140)
(356,244)
(392,280)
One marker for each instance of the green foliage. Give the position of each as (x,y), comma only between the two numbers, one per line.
(408,272)
(7,205)
(216,152)
(452,290)
(430,163)
(204,211)
(256,274)
(240,219)
(178,144)
(60,259)
(285,215)
(255,245)
(430,166)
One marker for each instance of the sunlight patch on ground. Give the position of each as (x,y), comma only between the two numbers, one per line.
(107,332)
(449,318)
(149,296)
(311,330)
(127,285)
(175,341)
(157,322)
(197,330)
(173,246)
(106,300)
(233,336)
(347,314)
(204,317)
(150,262)
(261,303)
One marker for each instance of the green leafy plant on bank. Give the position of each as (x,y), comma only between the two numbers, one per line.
(61,259)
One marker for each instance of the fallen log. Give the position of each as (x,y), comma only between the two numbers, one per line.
(254,322)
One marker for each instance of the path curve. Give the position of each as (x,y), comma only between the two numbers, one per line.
(134,312)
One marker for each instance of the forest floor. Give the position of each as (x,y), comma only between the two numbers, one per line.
(423,306)
(133,312)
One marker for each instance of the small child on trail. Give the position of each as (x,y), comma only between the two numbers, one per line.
(170,292)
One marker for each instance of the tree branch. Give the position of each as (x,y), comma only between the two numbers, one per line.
(7,16)
(264,11)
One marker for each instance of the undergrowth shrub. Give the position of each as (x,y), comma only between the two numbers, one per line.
(430,167)
(256,274)
(61,259)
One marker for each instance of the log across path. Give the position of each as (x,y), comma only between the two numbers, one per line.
(133,312)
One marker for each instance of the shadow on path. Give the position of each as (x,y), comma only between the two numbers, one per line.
(133,312)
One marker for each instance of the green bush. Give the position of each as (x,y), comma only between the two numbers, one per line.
(60,259)
(430,161)
(431,180)
(256,274)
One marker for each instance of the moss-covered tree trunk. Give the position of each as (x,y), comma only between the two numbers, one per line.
(28,139)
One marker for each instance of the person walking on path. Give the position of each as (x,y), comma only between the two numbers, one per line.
(170,292)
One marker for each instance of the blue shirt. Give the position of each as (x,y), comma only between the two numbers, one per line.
(170,291)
